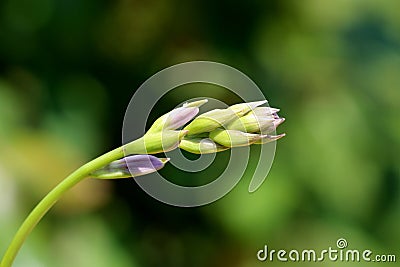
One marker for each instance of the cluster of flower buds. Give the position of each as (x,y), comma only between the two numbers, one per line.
(214,131)
(238,125)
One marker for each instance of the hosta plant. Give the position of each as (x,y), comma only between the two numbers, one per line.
(214,131)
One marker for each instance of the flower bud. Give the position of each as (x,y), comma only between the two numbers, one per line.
(260,120)
(177,117)
(210,121)
(130,166)
(233,138)
(250,123)
(173,119)
(266,112)
(216,118)
(153,143)
(200,145)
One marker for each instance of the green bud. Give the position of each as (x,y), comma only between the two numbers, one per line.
(243,108)
(200,145)
(259,120)
(153,143)
(210,121)
(251,123)
(233,138)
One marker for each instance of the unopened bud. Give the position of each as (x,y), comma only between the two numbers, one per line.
(210,121)
(260,120)
(233,138)
(250,123)
(173,119)
(130,166)
(177,117)
(200,146)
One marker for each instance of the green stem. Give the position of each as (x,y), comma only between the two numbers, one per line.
(51,198)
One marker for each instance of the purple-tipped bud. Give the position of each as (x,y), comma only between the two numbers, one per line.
(260,120)
(130,166)
(174,119)
(177,117)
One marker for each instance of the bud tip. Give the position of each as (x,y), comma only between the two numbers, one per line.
(279,121)
(196,104)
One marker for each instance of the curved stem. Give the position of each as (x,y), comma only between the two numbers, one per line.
(51,198)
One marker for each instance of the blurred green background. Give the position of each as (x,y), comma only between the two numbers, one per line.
(68,69)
